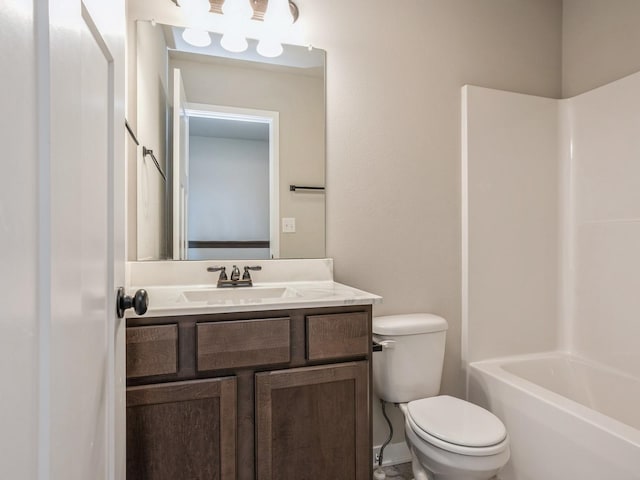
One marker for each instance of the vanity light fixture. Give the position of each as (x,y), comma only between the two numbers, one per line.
(236,13)
(277,17)
(196,37)
(194,10)
(277,20)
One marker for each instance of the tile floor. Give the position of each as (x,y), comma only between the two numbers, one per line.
(399,472)
(402,472)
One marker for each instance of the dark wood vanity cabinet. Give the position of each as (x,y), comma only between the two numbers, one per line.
(271,395)
(313,422)
(182,430)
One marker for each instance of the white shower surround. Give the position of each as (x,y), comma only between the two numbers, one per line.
(551,224)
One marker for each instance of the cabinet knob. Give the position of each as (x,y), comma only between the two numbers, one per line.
(139,302)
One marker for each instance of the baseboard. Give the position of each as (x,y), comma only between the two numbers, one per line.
(394,453)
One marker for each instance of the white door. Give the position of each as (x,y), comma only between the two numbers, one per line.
(69,215)
(180,170)
(87,223)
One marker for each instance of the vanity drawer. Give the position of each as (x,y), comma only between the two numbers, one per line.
(152,350)
(338,335)
(243,343)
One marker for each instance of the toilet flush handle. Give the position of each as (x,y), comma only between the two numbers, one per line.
(387,344)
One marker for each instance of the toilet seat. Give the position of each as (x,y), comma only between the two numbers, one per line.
(457,426)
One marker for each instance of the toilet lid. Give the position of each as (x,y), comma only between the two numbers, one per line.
(456,421)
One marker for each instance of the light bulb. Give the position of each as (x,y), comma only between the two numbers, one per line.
(277,19)
(234,42)
(278,13)
(269,47)
(196,37)
(236,14)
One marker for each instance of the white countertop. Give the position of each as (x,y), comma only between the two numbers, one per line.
(171,300)
(185,288)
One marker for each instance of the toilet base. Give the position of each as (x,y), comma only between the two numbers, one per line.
(419,473)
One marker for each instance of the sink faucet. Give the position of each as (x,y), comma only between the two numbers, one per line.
(235,280)
(235,274)
(246,275)
(223,273)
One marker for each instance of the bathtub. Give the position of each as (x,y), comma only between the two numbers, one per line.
(567,418)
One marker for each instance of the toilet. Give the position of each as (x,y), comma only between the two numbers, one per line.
(449,438)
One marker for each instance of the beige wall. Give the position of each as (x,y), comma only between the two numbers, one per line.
(131,148)
(147,97)
(601,40)
(393,138)
(393,121)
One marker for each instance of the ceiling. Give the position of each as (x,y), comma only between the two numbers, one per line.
(226,128)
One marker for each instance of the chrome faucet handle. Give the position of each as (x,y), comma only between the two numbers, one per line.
(222,270)
(246,275)
(235,273)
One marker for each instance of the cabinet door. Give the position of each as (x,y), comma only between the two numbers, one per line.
(182,430)
(314,423)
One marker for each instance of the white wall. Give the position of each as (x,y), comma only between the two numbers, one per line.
(600,43)
(21,222)
(510,178)
(228,192)
(605,224)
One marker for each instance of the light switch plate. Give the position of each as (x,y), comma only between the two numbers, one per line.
(289,225)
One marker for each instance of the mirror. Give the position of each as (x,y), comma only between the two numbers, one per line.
(226,141)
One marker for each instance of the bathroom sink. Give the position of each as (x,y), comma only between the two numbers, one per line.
(222,296)
(202,298)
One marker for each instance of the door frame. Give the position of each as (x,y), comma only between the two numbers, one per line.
(272,118)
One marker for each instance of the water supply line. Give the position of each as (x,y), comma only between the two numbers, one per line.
(379,473)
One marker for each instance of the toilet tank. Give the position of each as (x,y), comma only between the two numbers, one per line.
(409,366)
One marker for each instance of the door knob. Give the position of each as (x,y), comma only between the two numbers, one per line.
(139,302)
